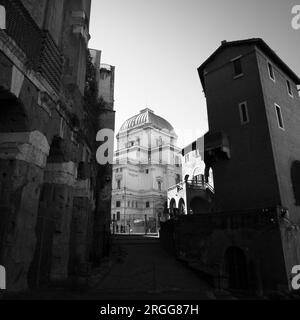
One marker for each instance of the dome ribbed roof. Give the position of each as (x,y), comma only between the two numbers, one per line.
(146,116)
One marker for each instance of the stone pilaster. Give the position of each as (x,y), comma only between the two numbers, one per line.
(60,177)
(81,233)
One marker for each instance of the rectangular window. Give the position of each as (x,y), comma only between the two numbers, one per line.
(159,185)
(237,66)
(118,216)
(119,184)
(147,204)
(271,71)
(62,128)
(244,116)
(118,204)
(288,84)
(279,117)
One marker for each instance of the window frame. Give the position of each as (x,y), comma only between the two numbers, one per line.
(119,184)
(289,88)
(269,64)
(278,108)
(244,103)
(236,76)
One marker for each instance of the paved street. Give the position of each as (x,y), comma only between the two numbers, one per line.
(145,271)
(138,269)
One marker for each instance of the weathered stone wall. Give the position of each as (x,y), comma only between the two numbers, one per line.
(47,210)
(203,240)
(22,160)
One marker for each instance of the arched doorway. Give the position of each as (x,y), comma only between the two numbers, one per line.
(13,116)
(172,207)
(181,206)
(236,269)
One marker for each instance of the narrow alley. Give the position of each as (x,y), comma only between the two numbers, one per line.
(138,269)
(145,271)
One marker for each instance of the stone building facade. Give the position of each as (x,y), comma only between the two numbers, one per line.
(147,163)
(195,193)
(49,179)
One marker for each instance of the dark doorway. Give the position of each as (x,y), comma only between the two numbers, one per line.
(236,269)
(172,207)
(181,207)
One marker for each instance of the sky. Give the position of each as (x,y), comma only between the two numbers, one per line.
(157,46)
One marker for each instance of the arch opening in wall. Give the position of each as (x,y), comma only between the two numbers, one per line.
(236,269)
(172,207)
(13,116)
(181,206)
(295,177)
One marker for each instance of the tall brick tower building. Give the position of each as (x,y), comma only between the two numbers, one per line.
(253,146)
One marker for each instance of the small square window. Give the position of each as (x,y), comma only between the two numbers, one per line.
(289,88)
(244,116)
(279,117)
(237,66)
(271,71)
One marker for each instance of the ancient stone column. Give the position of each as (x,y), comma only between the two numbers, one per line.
(60,179)
(81,231)
(22,161)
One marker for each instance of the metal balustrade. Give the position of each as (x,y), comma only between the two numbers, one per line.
(192,184)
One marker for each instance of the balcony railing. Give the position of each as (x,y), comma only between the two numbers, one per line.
(40,49)
(192,184)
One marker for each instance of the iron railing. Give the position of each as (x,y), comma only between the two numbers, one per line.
(193,185)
